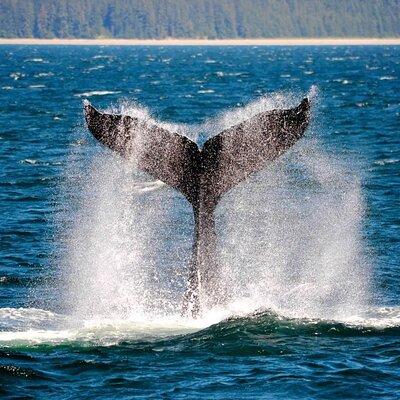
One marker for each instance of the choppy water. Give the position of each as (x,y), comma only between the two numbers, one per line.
(94,255)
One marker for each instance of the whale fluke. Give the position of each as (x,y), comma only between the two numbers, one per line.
(202,175)
(232,155)
(166,156)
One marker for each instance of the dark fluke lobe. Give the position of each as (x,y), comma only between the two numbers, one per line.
(202,175)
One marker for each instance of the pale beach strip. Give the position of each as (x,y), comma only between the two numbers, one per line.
(207,42)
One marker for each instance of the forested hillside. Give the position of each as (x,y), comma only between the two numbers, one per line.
(199,18)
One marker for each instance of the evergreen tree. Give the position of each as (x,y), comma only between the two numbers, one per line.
(199,18)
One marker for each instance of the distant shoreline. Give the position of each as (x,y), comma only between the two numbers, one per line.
(206,42)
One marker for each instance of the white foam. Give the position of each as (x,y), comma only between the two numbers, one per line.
(96,93)
(36,60)
(29,161)
(43,74)
(387,161)
(95,68)
(30,326)
(33,326)
(17,75)
(101,56)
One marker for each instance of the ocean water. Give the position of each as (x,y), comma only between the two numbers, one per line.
(94,254)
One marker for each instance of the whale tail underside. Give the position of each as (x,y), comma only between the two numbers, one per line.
(201,175)
(225,159)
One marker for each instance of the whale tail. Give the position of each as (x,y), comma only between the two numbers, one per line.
(201,175)
(224,161)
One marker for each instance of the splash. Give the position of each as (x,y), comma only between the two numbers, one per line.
(290,236)
(35,327)
(120,258)
(120,231)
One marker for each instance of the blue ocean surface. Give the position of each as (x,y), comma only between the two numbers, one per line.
(94,255)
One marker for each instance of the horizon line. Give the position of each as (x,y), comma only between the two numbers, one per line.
(296,41)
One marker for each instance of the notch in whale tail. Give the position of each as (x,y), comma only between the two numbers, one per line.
(201,175)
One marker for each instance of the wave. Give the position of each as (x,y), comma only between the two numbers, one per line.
(387,78)
(96,93)
(221,74)
(386,161)
(36,60)
(34,327)
(99,56)
(33,161)
(43,74)
(96,67)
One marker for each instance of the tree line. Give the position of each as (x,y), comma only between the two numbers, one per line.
(199,18)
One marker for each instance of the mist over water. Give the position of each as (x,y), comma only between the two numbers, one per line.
(289,237)
(116,241)
(297,226)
